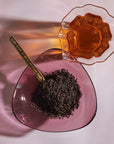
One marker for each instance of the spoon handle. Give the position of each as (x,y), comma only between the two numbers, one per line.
(27,59)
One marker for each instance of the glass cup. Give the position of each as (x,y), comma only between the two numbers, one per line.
(82,10)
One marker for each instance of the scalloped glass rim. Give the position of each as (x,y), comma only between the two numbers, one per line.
(22,93)
(82,10)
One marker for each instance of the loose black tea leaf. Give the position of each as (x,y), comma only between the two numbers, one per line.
(58,95)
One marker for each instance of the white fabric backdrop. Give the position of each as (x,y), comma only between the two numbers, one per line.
(101,129)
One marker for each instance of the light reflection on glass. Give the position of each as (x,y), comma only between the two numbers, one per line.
(23,98)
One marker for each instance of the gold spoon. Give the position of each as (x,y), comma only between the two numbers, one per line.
(38,74)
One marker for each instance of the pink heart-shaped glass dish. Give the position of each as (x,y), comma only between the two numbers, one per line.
(82,11)
(50,61)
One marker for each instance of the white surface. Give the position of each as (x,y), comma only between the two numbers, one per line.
(101,129)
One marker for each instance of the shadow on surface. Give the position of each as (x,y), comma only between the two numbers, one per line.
(30,34)
(8,123)
(37,35)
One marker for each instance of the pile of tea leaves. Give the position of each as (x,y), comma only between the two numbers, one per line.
(58,95)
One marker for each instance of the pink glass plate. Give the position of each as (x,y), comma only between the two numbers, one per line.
(49,61)
(82,10)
